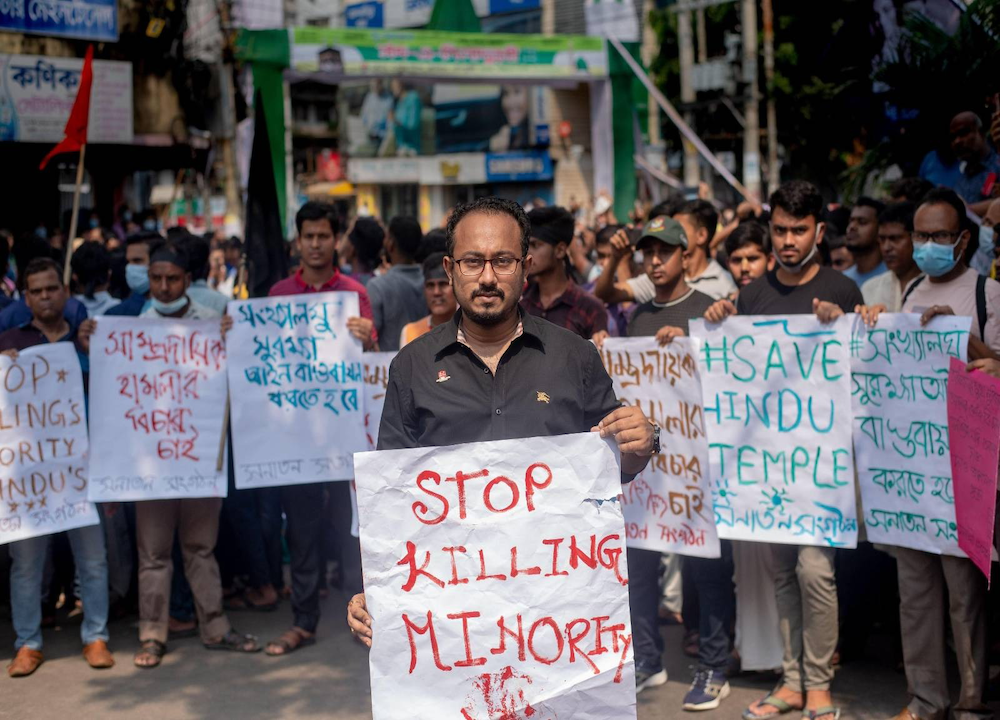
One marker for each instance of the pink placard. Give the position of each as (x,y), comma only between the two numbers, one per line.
(974,437)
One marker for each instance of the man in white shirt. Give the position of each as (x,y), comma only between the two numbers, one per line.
(895,224)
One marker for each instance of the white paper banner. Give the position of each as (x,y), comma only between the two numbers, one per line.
(43,444)
(668,506)
(778,408)
(296,385)
(157,403)
(376,366)
(495,574)
(900,378)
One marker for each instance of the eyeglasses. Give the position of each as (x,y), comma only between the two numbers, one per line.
(472,267)
(941,237)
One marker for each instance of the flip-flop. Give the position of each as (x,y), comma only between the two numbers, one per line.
(153,648)
(780,705)
(287,646)
(235,642)
(240,602)
(820,712)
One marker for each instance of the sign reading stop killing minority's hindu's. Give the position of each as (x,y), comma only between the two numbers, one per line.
(495,574)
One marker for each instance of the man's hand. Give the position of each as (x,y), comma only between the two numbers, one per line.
(720,310)
(599,337)
(12,353)
(933,311)
(225,325)
(986,365)
(621,245)
(630,429)
(870,313)
(666,335)
(358,619)
(361,328)
(826,312)
(83,333)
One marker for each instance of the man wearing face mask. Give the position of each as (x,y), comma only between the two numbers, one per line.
(805,584)
(940,236)
(985,257)
(136,274)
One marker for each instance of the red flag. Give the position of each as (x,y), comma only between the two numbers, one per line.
(75,134)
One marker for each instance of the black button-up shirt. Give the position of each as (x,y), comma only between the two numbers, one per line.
(549,382)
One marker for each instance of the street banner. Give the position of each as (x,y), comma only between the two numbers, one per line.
(82,19)
(974,437)
(296,389)
(899,394)
(37,93)
(376,369)
(496,577)
(668,506)
(777,403)
(43,444)
(157,407)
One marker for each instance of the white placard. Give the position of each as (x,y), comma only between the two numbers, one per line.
(157,404)
(376,367)
(297,387)
(43,444)
(899,384)
(777,399)
(668,506)
(495,574)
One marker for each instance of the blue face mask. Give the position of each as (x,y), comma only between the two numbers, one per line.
(171,307)
(986,237)
(934,259)
(137,277)
(149,225)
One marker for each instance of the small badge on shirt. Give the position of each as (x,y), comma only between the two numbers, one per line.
(443,376)
(542,397)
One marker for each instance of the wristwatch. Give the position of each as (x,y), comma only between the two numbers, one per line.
(656,439)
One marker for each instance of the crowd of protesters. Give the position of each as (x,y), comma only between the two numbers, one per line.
(926,244)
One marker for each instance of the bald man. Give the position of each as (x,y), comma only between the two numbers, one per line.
(979,164)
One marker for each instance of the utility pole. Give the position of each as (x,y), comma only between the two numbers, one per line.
(685,40)
(702,31)
(751,133)
(773,172)
(650,49)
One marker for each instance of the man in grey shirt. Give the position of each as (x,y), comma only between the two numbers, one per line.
(397,297)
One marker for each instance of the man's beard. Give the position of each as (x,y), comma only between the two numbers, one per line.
(490,318)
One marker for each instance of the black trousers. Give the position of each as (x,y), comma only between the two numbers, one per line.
(644,601)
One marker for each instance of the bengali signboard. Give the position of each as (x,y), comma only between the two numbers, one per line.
(777,404)
(668,505)
(37,93)
(84,19)
(297,389)
(899,373)
(157,403)
(362,52)
(43,444)
(455,539)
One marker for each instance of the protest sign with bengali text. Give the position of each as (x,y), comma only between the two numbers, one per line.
(296,385)
(668,505)
(974,437)
(157,403)
(43,444)
(777,402)
(496,577)
(899,378)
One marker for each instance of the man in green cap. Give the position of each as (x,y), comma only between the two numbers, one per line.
(662,243)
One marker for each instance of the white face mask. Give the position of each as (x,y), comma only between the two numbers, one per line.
(797,267)
(987,237)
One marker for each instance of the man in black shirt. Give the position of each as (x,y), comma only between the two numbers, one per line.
(495,373)
(805,585)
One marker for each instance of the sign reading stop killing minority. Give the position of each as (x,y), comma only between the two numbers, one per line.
(777,398)
(43,444)
(496,578)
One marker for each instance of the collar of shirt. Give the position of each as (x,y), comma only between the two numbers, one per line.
(330,284)
(570,296)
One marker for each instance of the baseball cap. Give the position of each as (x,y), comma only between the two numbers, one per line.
(663,229)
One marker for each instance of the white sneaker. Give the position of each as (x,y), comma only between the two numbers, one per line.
(645,679)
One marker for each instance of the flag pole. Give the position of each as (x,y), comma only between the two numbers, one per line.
(67,272)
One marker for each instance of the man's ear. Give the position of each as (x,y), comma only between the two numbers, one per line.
(820,233)
(561,249)
(449,269)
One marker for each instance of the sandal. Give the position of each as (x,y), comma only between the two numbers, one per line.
(781,707)
(150,654)
(820,712)
(235,642)
(289,642)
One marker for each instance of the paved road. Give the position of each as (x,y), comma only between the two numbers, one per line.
(327,680)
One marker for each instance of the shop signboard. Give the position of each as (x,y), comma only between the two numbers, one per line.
(84,19)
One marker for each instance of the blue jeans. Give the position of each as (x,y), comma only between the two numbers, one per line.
(644,602)
(27,566)
(713,578)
